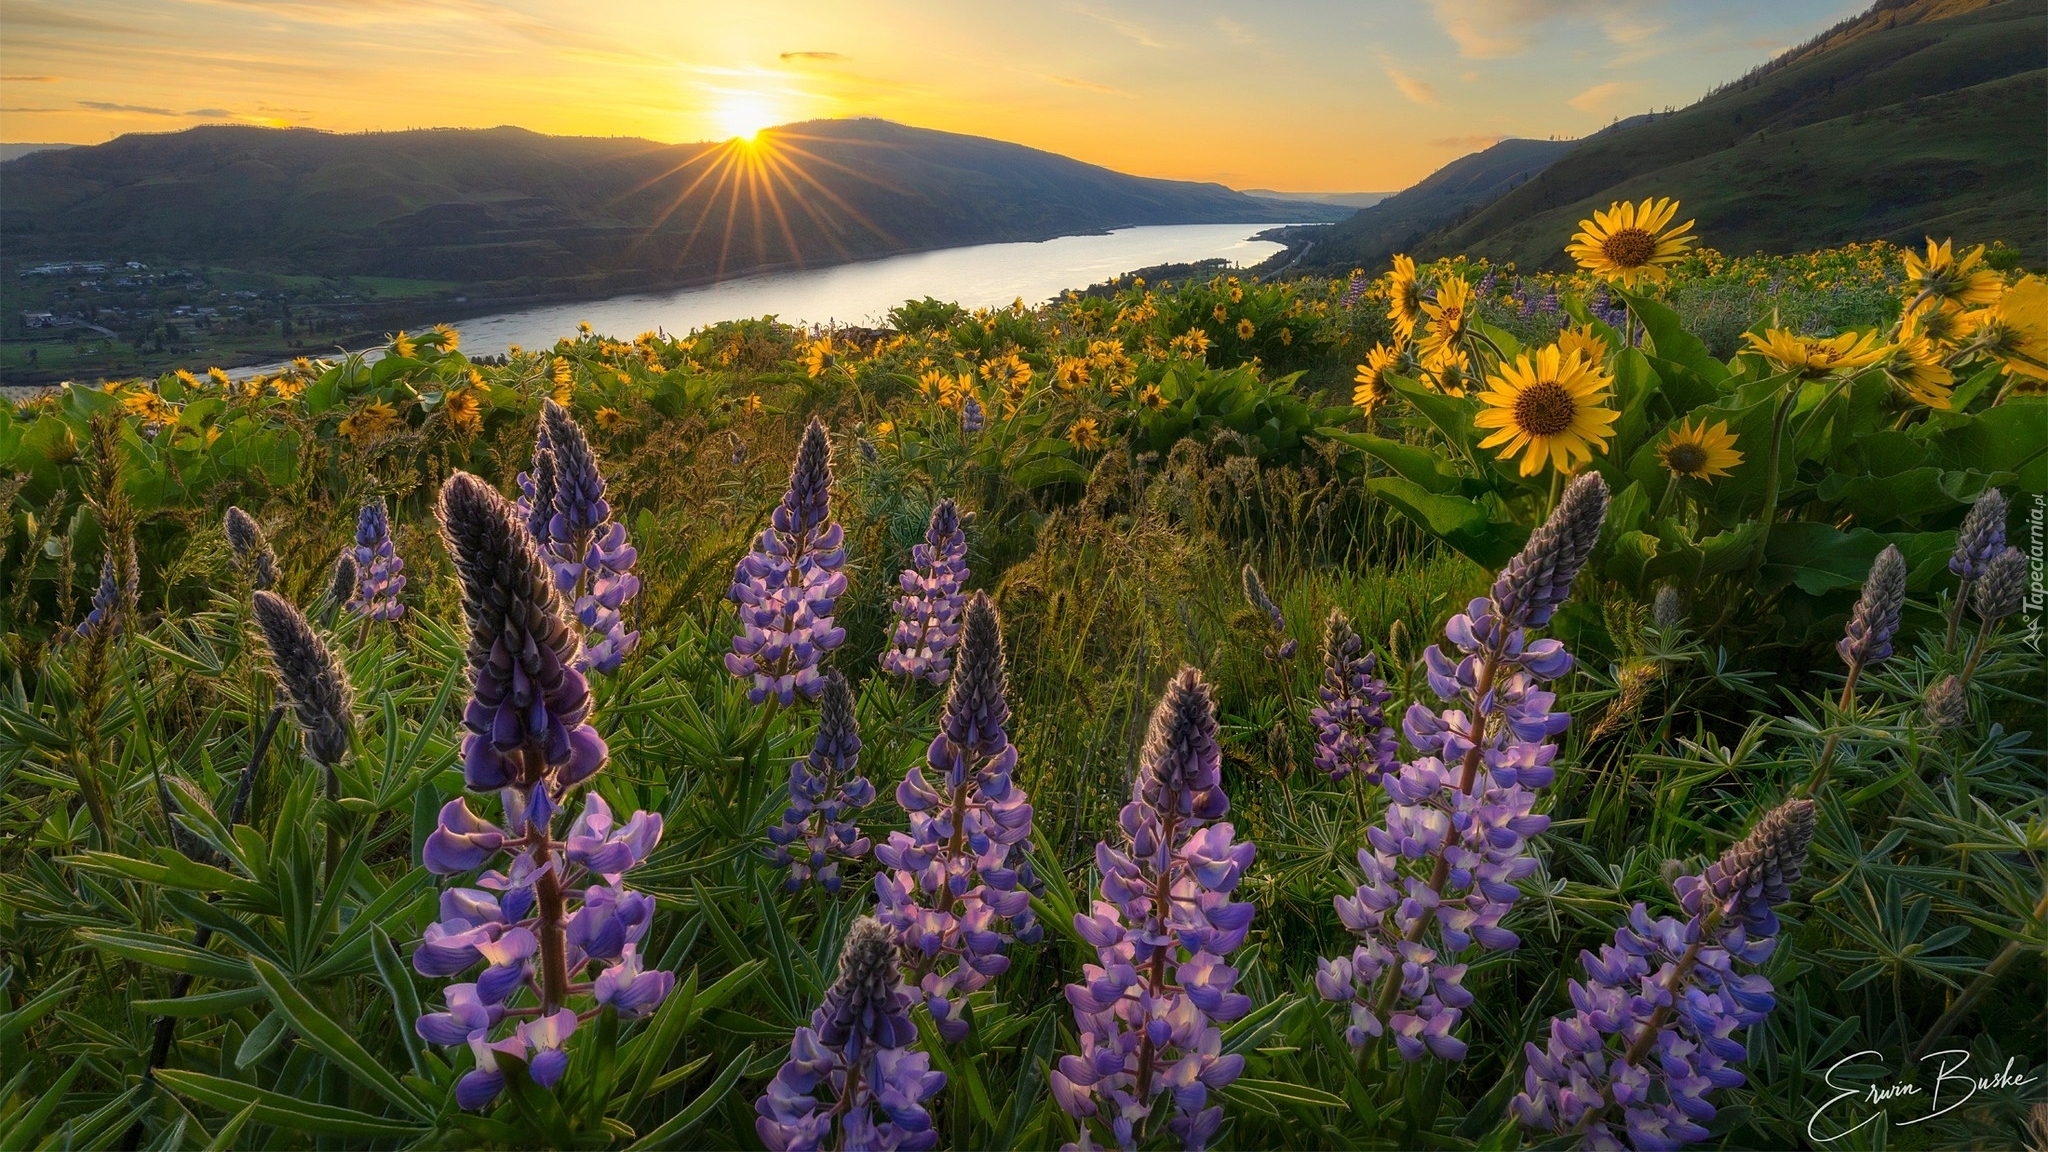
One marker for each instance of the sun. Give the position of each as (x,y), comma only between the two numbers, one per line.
(742,115)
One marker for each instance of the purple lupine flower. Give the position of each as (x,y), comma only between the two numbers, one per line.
(1529,307)
(1147,1010)
(786,587)
(379,570)
(1440,869)
(1352,733)
(561,907)
(1981,537)
(1487,284)
(1549,304)
(1867,639)
(1255,595)
(824,795)
(952,893)
(314,682)
(854,1065)
(253,557)
(972,418)
(1354,290)
(928,612)
(120,587)
(1669,989)
(536,501)
(592,562)
(2002,589)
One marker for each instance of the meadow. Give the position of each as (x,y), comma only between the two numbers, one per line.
(1450,707)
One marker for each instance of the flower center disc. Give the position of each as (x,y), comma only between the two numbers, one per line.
(1686,458)
(1545,408)
(1630,247)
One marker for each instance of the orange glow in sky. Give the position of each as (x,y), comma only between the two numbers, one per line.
(1303,95)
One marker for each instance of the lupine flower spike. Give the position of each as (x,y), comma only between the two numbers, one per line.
(818,829)
(1255,595)
(952,893)
(253,557)
(378,566)
(1440,868)
(1147,1011)
(1867,640)
(972,418)
(1653,1027)
(113,602)
(1981,537)
(787,586)
(852,1080)
(928,612)
(560,907)
(1352,733)
(1998,593)
(313,680)
(587,549)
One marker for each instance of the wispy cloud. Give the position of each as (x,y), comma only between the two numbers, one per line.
(151,110)
(814,57)
(1087,85)
(1493,29)
(1130,29)
(1414,88)
(1237,32)
(29,79)
(1602,97)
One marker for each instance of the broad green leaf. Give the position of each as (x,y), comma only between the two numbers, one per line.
(333,1041)
(163,952)
(1461,523)
(1419,465)
(281,1111)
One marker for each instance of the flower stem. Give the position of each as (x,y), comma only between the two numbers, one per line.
(1827,751)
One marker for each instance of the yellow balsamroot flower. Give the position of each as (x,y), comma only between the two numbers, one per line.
(933,384)
(1942,326)
(752,403)
(1371,388)
(1286,337)
(1245,328)
(371,423)
(1404,298)
(1151,397)
(1070,372)
(186,378)
(446,338)
(1583,340)
(564,380)
(1448,315)
(1236,294)
(583,326)
(464,412)
(1549,407)
(287,386)
(1816,357)
(1220,313)
(2015,330)
(218,377)
(1084,436)
(1010,370)
(1452,368)
(153,410)
(1699,452)
(301,364)
(402,345)
(1631,242)
(883,427)
(1193,344)
(1943,277)
(476,381)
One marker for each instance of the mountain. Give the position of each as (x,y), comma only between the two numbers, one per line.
(1343,199)
(1397,222)
(1919,117)
(15,151)
(515,211)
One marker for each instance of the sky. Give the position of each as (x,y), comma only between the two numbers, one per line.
(1295,95)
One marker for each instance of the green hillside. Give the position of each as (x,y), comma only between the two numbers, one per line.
(515,211)
(1903,129)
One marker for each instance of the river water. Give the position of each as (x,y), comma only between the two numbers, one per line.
(861,294)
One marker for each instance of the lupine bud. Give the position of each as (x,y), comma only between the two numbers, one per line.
(1667,611)
(536,502)
(972,418)
(1981,537)
(1146,1017)
(1948,704)
(1352,733)
(951,893)
(343,577)
(378,565)
(252,551)
(928,612)
(824,795)
(1539,578)
(313,680)
(1653,1026)
(585,547)
(2002,589)
(787,586)
(1868,638)
(1255,595)
(113,602)
(856,1056)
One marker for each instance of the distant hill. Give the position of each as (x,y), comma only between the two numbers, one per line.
(1919,117)
(15,151)
(1397,222)
(1343,199)
(516,211)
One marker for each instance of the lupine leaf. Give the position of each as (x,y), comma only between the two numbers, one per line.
(332,1040)
(672,1128)
(279,1110)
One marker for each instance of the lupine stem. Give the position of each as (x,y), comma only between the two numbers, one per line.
(1827,751)
(1977,988)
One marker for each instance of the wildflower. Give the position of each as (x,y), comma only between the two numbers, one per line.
(2002,589)
(561,906)
(562,379)
(1947,282)
(1669,988)
(1255,595)
(1981,537)
(402,345)
(253,557)
(1352,733)
(585,547)
(1816,357)
(824,793)
(1452,367)
(819,356)
(1371,388)
(1147,1011)
(1220,314)
(1404,298)
(341,583)
(2015,329)
(1084,436)
(1666,610)
(1192,344)
(151,409)
(120,587)
(381,570)
(972,418)
(1947,704)
(1070,373)
(928,612)
(951,893)
(1699,452)
(446,338)
(218,377)
(1868,638)
(312,679)
(1631,242)
(857,1051)
(1151,397)
(1553,406)
(1286,337)
(464,412)
(1440,868)
(608,420)
(1449,314)
(1245,328)
(1919,368)
(1589,344)
(370,423)
(786,587)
